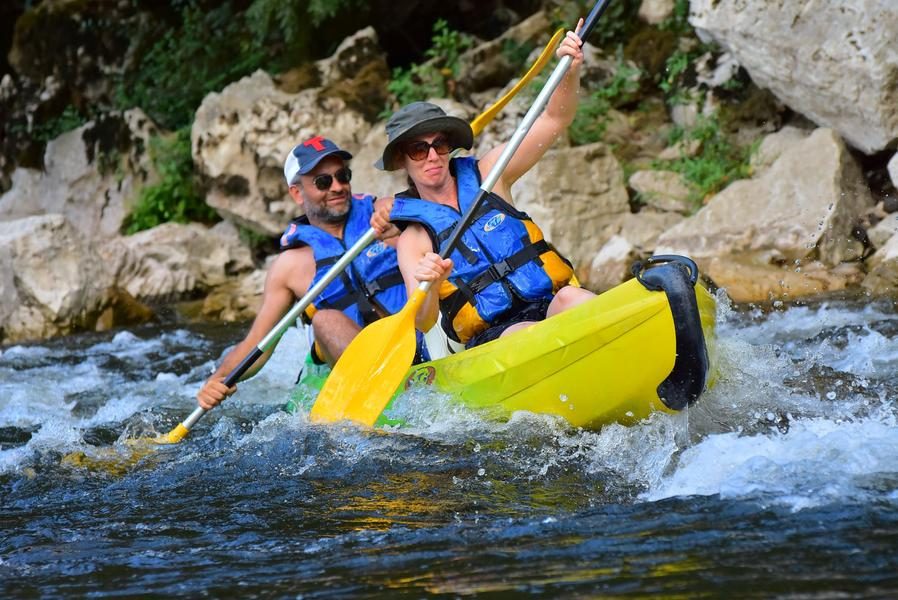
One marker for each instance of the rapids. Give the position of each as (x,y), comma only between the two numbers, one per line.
(781,481)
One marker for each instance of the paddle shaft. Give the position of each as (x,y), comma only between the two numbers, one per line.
(511,147)
(275,334)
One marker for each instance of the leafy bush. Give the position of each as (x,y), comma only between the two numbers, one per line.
(68,120)
(433,77)
(211,46)
(209,50)
(591,119)
(718,162)
(175,197)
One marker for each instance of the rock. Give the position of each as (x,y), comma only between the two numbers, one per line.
(655,12)
(883,231)
(831,62)
(54,282)
(664,190)
(92,176)
(642,229)
(774,145)
(804,206)
(611,265)
(747,281)
(882,269)
(357,73)
(714,71)
(574,194)
(241,137)
(682,149)
(893,170)
(237,300)
(174,261)
(487,65)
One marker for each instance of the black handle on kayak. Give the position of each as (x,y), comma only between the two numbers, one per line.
(639,267)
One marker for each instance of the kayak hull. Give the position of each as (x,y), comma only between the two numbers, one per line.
(645,346)
(600,362)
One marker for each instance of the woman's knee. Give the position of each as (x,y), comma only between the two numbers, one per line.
(568,297)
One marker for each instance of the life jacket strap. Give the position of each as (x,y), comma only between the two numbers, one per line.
(499,270)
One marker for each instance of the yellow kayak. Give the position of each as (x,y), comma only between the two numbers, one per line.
(643,346)
(646,345)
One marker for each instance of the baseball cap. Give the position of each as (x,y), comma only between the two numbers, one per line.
(309,153)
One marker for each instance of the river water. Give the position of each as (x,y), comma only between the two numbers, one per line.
(781,482)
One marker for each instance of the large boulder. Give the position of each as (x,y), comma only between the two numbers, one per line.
(175,261)
(834,62)
(802,208)
(893,170)
(54,282)
(241,135)
(92,175)
(574,194)
(882,273)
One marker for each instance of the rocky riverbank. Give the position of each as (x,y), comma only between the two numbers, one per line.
(756,137)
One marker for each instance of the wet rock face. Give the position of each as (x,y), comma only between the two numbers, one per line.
(53,281)
(834,62)
(803,208)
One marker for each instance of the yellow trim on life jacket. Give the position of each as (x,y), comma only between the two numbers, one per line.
(558,270)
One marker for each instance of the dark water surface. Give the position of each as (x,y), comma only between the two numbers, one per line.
(782,482)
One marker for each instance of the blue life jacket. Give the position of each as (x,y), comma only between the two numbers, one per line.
(371,283)
(501,255)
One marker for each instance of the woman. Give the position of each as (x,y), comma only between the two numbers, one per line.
(503,276)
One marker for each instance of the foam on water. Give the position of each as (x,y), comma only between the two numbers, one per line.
(802,413)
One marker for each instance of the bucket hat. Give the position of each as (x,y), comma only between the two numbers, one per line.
(420,118)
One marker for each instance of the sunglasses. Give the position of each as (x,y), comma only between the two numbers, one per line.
(420,149)
(323,182)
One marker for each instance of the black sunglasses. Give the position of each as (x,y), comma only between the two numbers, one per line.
(420,149)
(323,182)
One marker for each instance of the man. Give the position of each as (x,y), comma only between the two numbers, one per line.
(318,179)
(505,276)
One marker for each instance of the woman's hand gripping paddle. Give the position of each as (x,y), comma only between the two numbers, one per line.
(372,367)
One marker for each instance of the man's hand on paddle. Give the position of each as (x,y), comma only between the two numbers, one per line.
(380,220)
(213,392)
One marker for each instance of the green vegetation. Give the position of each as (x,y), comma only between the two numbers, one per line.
(434,77)
(209,50)
(212,46)
(175,197)
(516,52)
(679,20)
(591,119)
(717,163)
(618,21)
(69,119)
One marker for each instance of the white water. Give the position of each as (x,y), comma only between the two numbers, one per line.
(803,413)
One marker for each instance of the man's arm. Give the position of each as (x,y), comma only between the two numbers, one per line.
(554,120)
(288,277)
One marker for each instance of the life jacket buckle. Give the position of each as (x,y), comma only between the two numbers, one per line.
(500,269)
(372,287)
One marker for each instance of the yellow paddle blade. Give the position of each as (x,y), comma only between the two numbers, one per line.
(118,459)
(370,369)
(114,460)
(486,116)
